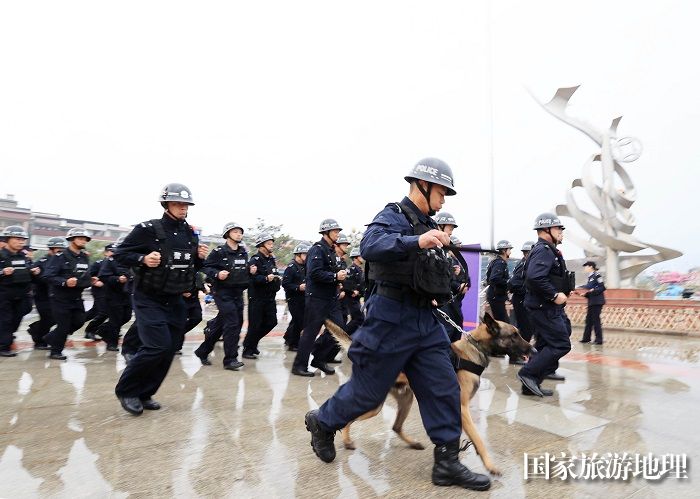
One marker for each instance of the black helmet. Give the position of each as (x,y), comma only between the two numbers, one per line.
(56,242)
(527,246)
(15,231)
(547,220)
(78,232)
(228,227)
(328,224)
(444,218)
(302,247)
(176,192)
(262,238)
(435,171)
(504,244)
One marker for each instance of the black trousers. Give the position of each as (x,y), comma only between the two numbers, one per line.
(160,321)
(296,326)
(99,311)
(69,317)
(593,323)
(356,316)
(521,317)
(118,314)
(498,309)
(131,341)
(317,310)
(262,318)
(12,309)
(228,324)
(552,329)
(194,316)
(38,329)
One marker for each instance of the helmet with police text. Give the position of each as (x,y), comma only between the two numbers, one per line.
(504,244)
(355,253)
(444,218)
(454,240)
(435,171)
(179,193)
(547,220)
(342,239)
(302,247)
(78,232)
(328,224)
(527,246)
(57,242)
(228,227)
(262,238)
(15,231)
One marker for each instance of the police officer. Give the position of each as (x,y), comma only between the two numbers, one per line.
(497,279)
(265,281)
(446,222)
(400,332)
(547,288)
(117,281)
(15,286)
(68,275)
(227,268)
(293,282)
(323,277)
(98,313)
(516,285)
(593,291)
(355,290)
(38,329)
(459,285)
(164,255)
(341,251)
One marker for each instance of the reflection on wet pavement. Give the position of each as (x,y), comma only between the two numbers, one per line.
(241,434)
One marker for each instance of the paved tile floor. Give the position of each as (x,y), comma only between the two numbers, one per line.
(241,434)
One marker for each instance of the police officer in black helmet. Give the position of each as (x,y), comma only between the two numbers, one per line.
(68,274)
(323,278)
(164,255)
(117,281)
(16,275)
(548,285)
(516,285)
(97,315)
(294,284)
(38,329)
(227,269)
(402,248)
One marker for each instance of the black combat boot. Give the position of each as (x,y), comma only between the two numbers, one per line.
(321,440)
(447,469)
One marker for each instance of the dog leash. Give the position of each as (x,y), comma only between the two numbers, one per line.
(469,337)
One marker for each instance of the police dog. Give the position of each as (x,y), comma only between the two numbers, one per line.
(471,356)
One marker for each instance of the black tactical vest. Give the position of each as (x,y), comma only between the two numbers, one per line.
(20,264)
(78,268)
(562,280)
(176,273)
(237,266)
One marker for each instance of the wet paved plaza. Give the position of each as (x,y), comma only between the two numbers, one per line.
(241,434)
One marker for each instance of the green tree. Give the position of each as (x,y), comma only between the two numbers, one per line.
(284,243)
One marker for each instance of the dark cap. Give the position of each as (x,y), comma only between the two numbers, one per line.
(590,263)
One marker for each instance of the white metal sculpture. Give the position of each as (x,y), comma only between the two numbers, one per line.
(610,231)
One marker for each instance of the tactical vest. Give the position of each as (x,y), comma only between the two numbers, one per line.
(427,271)
(21,274)
(562,280)
(237,267)
(79,270)
(176,273)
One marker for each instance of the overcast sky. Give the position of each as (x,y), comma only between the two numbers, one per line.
(298,111)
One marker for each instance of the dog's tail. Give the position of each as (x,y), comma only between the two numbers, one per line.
(339,334)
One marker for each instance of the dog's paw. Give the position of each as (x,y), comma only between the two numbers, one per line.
(350,445)
(417,446)
(494,471)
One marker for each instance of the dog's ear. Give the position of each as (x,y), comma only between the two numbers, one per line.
(491,325)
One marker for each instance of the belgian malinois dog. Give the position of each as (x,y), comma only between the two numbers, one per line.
(471,357)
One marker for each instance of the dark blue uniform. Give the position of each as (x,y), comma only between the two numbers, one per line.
(322,266)
(97,315)
(160,316)
(228,296)
(294,276)
(399,334)
(596,300)
(354,282)
(117,296)
(38,329)
(516,285)
(15,295)
(262,307)
(193,307)
(67,302)
(545,274)
(497,294)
